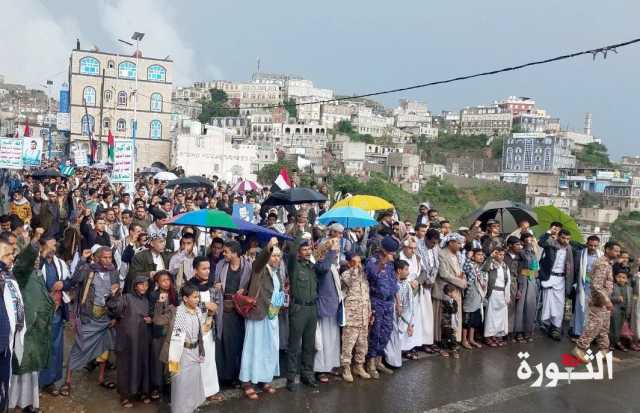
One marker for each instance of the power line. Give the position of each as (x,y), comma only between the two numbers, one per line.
(594,52)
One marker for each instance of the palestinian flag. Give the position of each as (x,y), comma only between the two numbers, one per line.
(27,129)
(282,182)
(111,147)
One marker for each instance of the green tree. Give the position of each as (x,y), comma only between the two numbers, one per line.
(217,105)
(345,126)
(268,173)
(594,155)
(290,106)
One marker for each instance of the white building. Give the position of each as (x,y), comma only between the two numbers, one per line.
(332,113)
(303,92)
(411,114)
(365,122)
(214,153)
(350,154)
(432,169)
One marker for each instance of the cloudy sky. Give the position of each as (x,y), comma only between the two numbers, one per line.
(360,46)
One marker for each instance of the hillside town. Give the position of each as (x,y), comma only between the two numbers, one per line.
(177,247)
(233,129)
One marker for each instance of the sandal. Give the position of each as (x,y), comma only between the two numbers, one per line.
(218,397)
(444,353)
(267,388)
(126,404)
(250,392)
(476,344)
(323,379)
(428,349)
(466,345)
(492,343)
(155,395)
(65,390)
(51,390)
(109,385)
(411,356)
(146,400)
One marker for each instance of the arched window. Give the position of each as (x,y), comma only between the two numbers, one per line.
(121,125)
(106,123)
(155,129)
(88,124)
(89,96)
(127,70)
(156,102)
(89,66)
(122,98)
(156,73)
(111,64)
(108,95)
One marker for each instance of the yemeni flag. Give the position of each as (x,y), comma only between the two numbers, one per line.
(27,129)
(282,182)
(111,147)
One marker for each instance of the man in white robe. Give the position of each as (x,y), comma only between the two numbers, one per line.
(418,298)
(496,323)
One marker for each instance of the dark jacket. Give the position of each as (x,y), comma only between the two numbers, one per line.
(142,264)
(83,277)
(493,275)
(220,276)
(549,250)
(91,236)
(261,285)
(50,218)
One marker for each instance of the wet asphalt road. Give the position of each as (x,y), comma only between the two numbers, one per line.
(481,380)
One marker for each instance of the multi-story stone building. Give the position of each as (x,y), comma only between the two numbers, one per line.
(623,197)
(104,95)
(528,122)
(365,122)
(517,105)
(349,155)
(411,114)
(536,152)
(304,93)
(403,167)
(489,120)
(332,113)
(209,150)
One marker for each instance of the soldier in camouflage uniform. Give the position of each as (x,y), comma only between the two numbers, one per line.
(357,308)
(599,315)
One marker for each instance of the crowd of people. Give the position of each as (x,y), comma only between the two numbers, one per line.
(180,311)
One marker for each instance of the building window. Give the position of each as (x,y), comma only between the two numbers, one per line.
(156,73)
(156,102)
(155,129)
(547,158)
(108,95)
(89,66)
(127,70)
(111,64)
(88,124)
(121,125)
(122,98)
(89,96)
(106,123)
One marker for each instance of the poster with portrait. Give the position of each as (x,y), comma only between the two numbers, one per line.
(244,211)
(32,151)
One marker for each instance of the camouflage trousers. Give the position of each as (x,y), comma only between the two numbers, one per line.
(596,328)
(354,338)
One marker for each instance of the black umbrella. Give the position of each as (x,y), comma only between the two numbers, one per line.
(151,170)
(295,196)
(507,213)
(188,182)
(46,173)
(159,165)
(201,179)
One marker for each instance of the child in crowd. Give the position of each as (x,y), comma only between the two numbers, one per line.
(163,303)
(473,298)
(449,323)
(620,315)
(403,316)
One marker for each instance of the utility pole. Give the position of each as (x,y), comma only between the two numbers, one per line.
(101,112)
(50,144)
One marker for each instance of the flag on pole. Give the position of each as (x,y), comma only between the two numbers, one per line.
(111,147)
(282,182)
(27,129)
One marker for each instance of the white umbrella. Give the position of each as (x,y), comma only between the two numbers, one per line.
(165,176)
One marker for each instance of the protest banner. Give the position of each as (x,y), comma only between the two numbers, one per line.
(11,153)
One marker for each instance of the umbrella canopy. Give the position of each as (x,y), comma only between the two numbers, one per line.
(150,170)
(246,186)
(165,176)
(213,218)
(160,166)
(507,213)
(189,182)
(46,173)
(201,180)
(366,202)
(548,214)
(100,166)
(349,217)
(295,196)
